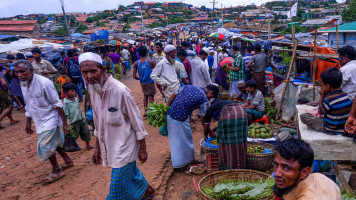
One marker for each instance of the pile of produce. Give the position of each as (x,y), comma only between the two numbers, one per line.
(256,150)
(346,196)
(259,131)
(241,189)
(157,115)
(269,108)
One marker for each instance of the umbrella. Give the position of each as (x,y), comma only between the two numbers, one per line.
(116,42)
(218,36)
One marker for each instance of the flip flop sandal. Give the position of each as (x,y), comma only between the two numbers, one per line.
(65,166)
(1,127)
(52,178)
(17,121)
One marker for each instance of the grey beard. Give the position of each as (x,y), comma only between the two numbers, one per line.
(96,87)
(23,83)
(172,60)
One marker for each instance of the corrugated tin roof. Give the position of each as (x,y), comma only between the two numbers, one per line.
(11,22)
(17,28)
(348,27)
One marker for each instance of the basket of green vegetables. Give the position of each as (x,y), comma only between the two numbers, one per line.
(242,184)
(157,117)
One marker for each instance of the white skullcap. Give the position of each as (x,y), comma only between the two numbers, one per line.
(206,50)
(89,56)
(169,48)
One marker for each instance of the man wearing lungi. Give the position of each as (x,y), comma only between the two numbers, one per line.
(119,130)
(182,103)
(44,107)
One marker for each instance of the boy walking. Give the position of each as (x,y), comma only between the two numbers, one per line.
(63,79)
(71,109)
(144,68)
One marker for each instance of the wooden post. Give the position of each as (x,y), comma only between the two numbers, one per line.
(342,179)
(337,36)
(287,79)
(269,29)
(314,67)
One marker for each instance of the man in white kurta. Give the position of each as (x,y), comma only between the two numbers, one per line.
(119,130)
(44,108)
(164,73)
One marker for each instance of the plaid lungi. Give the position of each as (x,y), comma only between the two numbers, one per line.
(127,182)
(232,137)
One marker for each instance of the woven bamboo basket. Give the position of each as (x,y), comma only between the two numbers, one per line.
(260,162)
(212,179)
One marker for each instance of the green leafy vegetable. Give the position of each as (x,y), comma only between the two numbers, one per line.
(157,115)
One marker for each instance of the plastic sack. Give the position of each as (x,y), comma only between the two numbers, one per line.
(209,145)
(70,145)
(89,114)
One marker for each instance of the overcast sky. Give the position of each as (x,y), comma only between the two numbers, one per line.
(10,8)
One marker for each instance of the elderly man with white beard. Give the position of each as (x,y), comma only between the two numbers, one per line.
(44,107)
(119,130)
(165,74)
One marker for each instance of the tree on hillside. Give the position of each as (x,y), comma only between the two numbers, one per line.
(203,8)
(348,14)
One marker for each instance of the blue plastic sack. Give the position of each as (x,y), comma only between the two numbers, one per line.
(267,151)
(89,114)
(209,145)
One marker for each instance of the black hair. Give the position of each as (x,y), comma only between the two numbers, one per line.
(142,51)
(348,51)
(10,57)
(62,53)
(36,50)
(214,89)
(159,44)
(236,48)
(249,49)
(296,149)
(112,50)
(20,56)
(70,53)
(62,71)
(224,50)
(332,76)
(251,83)
(68,86)
(257,47)
(185,44)
(182,52)
(75,50)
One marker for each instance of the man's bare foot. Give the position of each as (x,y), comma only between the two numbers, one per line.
(150,192)
(66,166)
(52,177)
(14,122)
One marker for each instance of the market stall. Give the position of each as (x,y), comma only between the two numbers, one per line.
(326,147)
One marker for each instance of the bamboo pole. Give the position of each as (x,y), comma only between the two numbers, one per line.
(287,79)
(314,67)
(337,36)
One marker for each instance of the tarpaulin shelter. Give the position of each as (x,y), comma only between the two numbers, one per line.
(322,65)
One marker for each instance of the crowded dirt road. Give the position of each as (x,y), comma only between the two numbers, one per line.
(21,172)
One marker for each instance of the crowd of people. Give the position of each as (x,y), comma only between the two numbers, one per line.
(190,78)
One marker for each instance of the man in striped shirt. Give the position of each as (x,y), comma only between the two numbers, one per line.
(334,103)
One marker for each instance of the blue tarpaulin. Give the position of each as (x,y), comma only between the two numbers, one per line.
(103,35)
